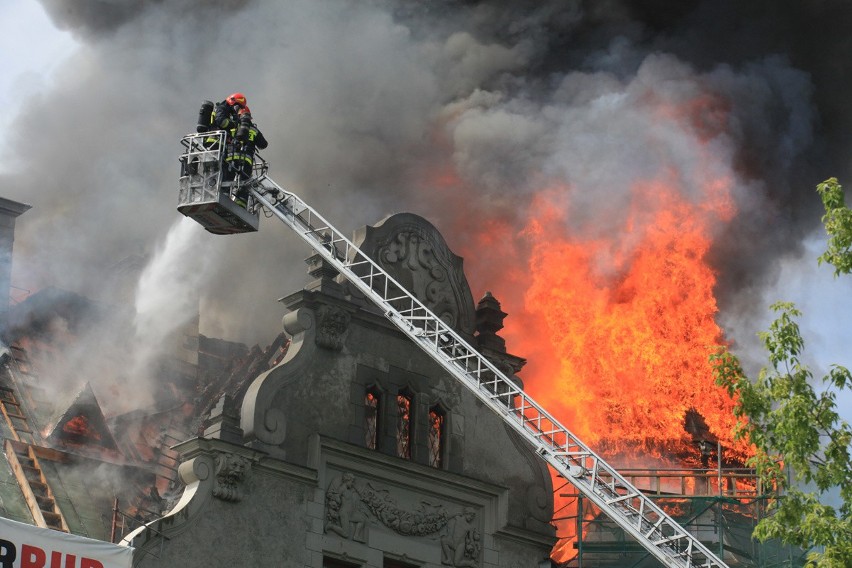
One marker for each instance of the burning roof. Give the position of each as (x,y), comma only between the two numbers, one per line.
(82,426)
(91,457)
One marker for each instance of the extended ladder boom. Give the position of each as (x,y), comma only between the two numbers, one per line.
(635,513)
(592,476)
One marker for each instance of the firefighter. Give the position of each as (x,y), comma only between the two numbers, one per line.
(244,138)
(239,153)
(223,115)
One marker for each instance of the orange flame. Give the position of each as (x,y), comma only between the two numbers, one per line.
(617,329)
(79,426)
(623,335)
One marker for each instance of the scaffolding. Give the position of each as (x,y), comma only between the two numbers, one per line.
(720,506)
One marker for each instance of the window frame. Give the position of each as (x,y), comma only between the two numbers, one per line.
(405,424)
(377,395)
(437,456)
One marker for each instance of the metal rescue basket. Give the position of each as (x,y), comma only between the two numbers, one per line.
(205,197)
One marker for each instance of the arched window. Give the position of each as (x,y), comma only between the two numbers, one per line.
(403,425)
(372,403)
(437,420)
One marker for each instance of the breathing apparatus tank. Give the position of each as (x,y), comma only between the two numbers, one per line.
(204,115)
(243,128)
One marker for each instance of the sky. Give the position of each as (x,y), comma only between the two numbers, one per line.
(358,101)
(32,50)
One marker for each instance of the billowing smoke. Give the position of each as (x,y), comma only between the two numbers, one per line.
(383,106)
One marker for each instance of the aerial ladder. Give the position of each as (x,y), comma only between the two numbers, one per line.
(205,198)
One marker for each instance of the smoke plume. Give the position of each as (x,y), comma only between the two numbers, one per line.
(458,111)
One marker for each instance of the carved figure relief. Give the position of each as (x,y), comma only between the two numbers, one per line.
(231,470)
(343,515)
(333,323)
(460,541)
(461,544)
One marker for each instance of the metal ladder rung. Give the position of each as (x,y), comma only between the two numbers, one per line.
(541,433)
(500,394)
(463,357)
(656,526)
(623,498)
(416,318)
(319,235)
(668,539)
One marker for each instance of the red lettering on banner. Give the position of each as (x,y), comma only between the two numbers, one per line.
(35,557)
(32,556)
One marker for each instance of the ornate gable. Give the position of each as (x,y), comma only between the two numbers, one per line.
(413,252)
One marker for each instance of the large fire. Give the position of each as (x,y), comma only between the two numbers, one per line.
(617,326)
(623,337)
(618,331)
(619,335)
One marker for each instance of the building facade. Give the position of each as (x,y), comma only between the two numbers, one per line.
(357,449)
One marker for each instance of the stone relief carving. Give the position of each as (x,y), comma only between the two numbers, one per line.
(415,254)
(461,545)
(333,323)
(426,519)
(231,470)
(349,505)
(342,512)
(429,279)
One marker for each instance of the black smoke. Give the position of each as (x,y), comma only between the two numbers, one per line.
(361,100)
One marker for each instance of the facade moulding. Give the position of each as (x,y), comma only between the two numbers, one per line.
(210,469)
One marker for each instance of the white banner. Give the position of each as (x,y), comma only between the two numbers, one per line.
(27,546)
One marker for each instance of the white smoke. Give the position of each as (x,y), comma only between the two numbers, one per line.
(167,296)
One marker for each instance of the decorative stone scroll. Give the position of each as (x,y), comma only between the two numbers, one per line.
(350,504)
(415,254)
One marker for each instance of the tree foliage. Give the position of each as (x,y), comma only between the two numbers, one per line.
(838,225)
(800,440)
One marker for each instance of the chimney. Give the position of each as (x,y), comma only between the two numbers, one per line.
(9,211)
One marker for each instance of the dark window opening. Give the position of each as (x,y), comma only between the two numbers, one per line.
(392,563)
(403,426)
(371,418)
(437,418)
(328,562)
